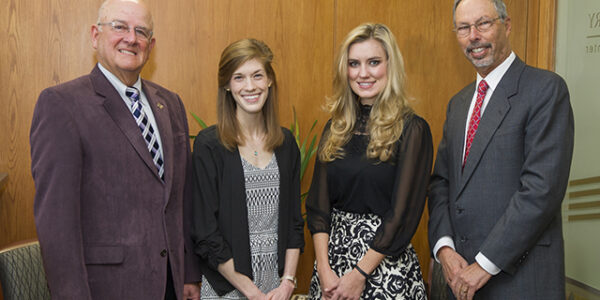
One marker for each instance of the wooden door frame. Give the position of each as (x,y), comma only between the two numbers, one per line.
(541,34)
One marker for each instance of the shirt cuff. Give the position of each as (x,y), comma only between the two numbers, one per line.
(486,264)
(445,241)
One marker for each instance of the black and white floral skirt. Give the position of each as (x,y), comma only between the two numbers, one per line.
(396,277)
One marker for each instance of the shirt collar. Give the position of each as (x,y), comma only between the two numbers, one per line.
(117,84)
(494,77)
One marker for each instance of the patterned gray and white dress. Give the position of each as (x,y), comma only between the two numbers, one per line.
(262,200)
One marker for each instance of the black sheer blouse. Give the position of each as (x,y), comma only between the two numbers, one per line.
(394,190)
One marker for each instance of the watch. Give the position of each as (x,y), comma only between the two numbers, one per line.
(290,278)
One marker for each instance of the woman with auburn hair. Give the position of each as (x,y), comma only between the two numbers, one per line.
(370,179)
(247,226)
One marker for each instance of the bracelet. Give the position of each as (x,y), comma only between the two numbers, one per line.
(362,272)
(291,278)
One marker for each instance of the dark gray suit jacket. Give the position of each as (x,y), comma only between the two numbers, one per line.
(105,221)
(506,203)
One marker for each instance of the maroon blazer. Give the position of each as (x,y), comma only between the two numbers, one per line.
(106,222)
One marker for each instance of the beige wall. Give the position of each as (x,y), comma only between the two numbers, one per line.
(44,43)
(578,61)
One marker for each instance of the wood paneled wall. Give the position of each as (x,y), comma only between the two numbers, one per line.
(43,43)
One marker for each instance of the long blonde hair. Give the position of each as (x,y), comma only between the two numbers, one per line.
(389,109)
(235,55)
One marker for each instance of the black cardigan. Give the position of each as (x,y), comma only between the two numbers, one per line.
(220,217)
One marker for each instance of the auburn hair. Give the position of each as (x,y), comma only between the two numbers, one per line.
(228,127)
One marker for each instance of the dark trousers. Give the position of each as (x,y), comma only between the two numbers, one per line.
(170,291)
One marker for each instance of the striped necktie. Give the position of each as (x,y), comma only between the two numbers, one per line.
(146,128)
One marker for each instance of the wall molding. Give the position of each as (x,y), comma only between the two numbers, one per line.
(582,181)
(582,286)
(579,209)
(583,205)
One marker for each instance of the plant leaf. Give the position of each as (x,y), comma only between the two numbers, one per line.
(199,121)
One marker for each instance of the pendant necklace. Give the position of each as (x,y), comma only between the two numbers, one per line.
(255,153)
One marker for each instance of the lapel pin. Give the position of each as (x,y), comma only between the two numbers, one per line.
(159,105)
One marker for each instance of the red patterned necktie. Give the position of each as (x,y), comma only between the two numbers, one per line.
(475,117)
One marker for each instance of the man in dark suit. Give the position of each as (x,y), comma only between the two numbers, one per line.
(110,159)
(501,170)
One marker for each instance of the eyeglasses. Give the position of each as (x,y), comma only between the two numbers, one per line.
(119,27)
(481,26)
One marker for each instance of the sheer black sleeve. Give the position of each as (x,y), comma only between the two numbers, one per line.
(318,206)
(413,169)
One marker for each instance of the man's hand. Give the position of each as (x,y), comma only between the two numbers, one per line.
(191,291)
(452,264)
(471,279)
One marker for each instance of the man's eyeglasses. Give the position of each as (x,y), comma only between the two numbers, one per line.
(481,26)
(122,28)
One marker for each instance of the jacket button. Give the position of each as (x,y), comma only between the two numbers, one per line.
(463,239)
(163,253)
(460,210)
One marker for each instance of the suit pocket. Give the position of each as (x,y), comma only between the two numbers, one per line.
(104,255)
(545,240)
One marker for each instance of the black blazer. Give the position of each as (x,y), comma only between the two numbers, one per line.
(220,217)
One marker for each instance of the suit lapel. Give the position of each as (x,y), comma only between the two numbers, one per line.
(118,111)
(461,117)
(160,109)
(495,112)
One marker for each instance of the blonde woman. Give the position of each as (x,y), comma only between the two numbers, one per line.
(247,226)
(370,179)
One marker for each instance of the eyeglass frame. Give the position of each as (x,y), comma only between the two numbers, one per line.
(142,33)
(477,25)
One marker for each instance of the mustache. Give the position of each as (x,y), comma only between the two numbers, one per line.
(478,45)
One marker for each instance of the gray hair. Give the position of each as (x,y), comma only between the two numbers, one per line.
(499,4)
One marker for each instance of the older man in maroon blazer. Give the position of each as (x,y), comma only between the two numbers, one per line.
(110,159)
